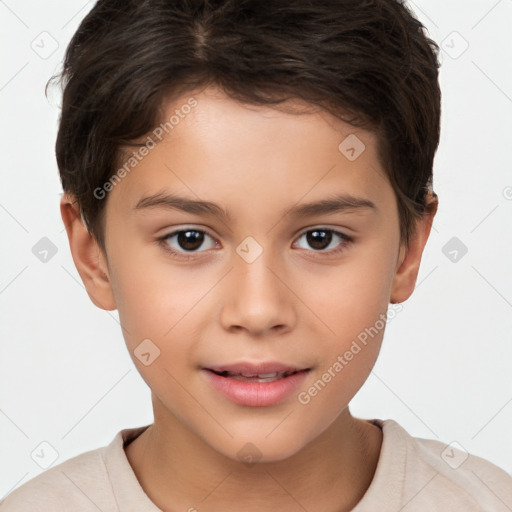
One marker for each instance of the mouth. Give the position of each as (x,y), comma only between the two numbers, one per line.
(256,377)
(252,372)
(256,385)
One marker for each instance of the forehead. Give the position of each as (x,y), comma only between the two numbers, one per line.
(209,145)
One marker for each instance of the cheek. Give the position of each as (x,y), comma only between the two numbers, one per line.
(153,313)
(352,296)
(348,356)
(352,301)
(149,301)
(163,303)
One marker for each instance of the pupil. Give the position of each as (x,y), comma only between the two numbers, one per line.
(315,239)
(190,240)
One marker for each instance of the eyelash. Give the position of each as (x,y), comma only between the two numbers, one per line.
(163,241)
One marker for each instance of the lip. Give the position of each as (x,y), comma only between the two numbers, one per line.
(255,368)
(255,394)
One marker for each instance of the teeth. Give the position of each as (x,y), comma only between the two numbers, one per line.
(256,377)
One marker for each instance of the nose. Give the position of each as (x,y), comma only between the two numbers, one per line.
(258,298)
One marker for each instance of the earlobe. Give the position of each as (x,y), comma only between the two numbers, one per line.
(409,259)
(87,255)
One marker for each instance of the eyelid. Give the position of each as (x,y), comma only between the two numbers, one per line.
(346,240)
(179,255)
(186,227)
(325,227)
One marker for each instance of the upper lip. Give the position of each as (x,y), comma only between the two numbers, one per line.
(247,368)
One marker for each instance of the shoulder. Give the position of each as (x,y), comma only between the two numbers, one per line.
(436,473)
(76,484)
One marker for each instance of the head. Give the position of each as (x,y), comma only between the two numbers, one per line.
(261,107)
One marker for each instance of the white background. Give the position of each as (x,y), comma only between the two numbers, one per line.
(445,368)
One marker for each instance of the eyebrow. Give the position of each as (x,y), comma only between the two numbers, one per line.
(336,204)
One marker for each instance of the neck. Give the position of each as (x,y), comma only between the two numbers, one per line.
(179,471)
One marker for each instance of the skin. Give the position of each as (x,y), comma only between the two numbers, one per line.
(295,303)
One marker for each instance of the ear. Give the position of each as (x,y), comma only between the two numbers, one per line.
(410,257)
(87,255)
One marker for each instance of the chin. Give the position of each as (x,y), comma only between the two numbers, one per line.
(251,450)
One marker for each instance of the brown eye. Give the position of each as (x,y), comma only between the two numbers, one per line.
(190,240)
(319,239)
(323,239)
(186,241)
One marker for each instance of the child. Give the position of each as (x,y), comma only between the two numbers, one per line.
(206,148)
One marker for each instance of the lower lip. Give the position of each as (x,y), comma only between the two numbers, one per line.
(256,394)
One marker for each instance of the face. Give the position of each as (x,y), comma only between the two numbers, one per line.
(261,283)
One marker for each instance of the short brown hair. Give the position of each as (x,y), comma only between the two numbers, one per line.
(369,62)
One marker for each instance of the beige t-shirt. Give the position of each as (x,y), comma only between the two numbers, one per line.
(412,475)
